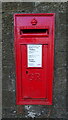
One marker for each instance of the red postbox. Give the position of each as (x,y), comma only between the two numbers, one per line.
(34,58)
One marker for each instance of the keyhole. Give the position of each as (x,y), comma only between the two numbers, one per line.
(26,72)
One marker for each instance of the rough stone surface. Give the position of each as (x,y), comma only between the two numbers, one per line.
(10,109)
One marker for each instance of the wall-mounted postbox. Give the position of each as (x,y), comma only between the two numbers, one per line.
(34,58)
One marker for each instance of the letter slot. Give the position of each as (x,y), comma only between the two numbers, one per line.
(34,32)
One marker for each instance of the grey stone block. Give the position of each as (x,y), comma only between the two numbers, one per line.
(8,98)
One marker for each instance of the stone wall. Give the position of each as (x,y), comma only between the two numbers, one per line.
(10,109)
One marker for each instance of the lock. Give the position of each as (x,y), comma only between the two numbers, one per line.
(34,58)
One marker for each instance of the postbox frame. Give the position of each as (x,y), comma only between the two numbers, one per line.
(19,101)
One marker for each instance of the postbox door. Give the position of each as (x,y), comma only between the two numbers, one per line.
(34,71)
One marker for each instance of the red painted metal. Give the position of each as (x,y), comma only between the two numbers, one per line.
(34,84)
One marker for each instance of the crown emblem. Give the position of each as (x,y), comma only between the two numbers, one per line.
(34,21)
